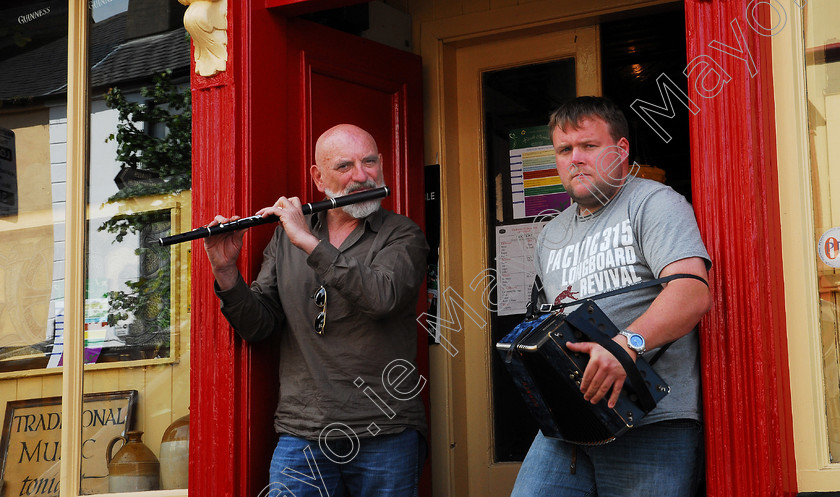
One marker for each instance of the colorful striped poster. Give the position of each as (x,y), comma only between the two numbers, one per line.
(536,188)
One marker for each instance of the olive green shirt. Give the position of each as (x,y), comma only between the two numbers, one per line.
(370,338)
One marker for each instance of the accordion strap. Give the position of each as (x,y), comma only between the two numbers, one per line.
(533,308)
(637,383)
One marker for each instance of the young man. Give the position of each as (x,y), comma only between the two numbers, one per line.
(619,231)
(340,287)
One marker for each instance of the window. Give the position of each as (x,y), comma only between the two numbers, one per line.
(822,69)
(133,188)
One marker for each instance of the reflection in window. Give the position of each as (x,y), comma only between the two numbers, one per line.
(138,190)
(132,202)
(822,53)
(139,180)
(33,133)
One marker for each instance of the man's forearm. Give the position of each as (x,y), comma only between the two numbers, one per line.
(677,309)
(226,277)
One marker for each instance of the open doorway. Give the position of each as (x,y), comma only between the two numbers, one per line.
(522,189)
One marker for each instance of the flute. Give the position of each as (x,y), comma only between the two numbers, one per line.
(249,222)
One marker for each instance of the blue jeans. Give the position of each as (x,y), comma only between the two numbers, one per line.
(664,459)
(382,466)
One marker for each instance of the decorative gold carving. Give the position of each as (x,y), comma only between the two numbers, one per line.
(206,21)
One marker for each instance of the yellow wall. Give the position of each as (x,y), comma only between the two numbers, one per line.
(33,152)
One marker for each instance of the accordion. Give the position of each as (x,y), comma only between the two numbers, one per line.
(548,375)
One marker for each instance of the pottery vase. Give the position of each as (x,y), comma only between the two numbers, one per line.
(134,467)
(174,454)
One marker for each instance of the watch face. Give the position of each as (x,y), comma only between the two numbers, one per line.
(636,341)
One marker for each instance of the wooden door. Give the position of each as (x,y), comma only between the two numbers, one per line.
(478,469)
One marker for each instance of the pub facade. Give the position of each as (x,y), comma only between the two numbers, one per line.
(733,104)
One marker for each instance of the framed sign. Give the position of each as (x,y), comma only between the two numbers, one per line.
(30,449)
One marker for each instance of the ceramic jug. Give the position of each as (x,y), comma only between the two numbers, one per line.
(134,468)
(174,454)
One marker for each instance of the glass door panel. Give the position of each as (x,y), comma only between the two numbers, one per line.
(525,193)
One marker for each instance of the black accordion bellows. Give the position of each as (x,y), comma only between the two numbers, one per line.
(548,374)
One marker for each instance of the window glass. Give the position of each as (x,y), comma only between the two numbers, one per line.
(33,135)
(137,291)
(822,53)
(523,194)
(136,327)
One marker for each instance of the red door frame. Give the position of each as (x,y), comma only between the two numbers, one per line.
(749,436)
(746,384)
(235,114)
(231,435)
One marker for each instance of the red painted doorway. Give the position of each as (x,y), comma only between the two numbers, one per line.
(340,78)
(255,125)
(337,78)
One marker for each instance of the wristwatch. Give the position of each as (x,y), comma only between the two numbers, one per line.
(635,341)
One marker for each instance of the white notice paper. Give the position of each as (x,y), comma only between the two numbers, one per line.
(515,245)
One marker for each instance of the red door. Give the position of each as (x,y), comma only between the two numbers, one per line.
(339,78)
(254,131)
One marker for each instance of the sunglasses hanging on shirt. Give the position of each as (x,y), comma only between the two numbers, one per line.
(320,298)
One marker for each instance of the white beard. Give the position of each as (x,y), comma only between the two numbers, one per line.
(360,210)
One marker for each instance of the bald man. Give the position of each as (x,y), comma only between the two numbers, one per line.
(340,288)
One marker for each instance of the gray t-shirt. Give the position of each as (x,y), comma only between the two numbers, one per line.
(645,227)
